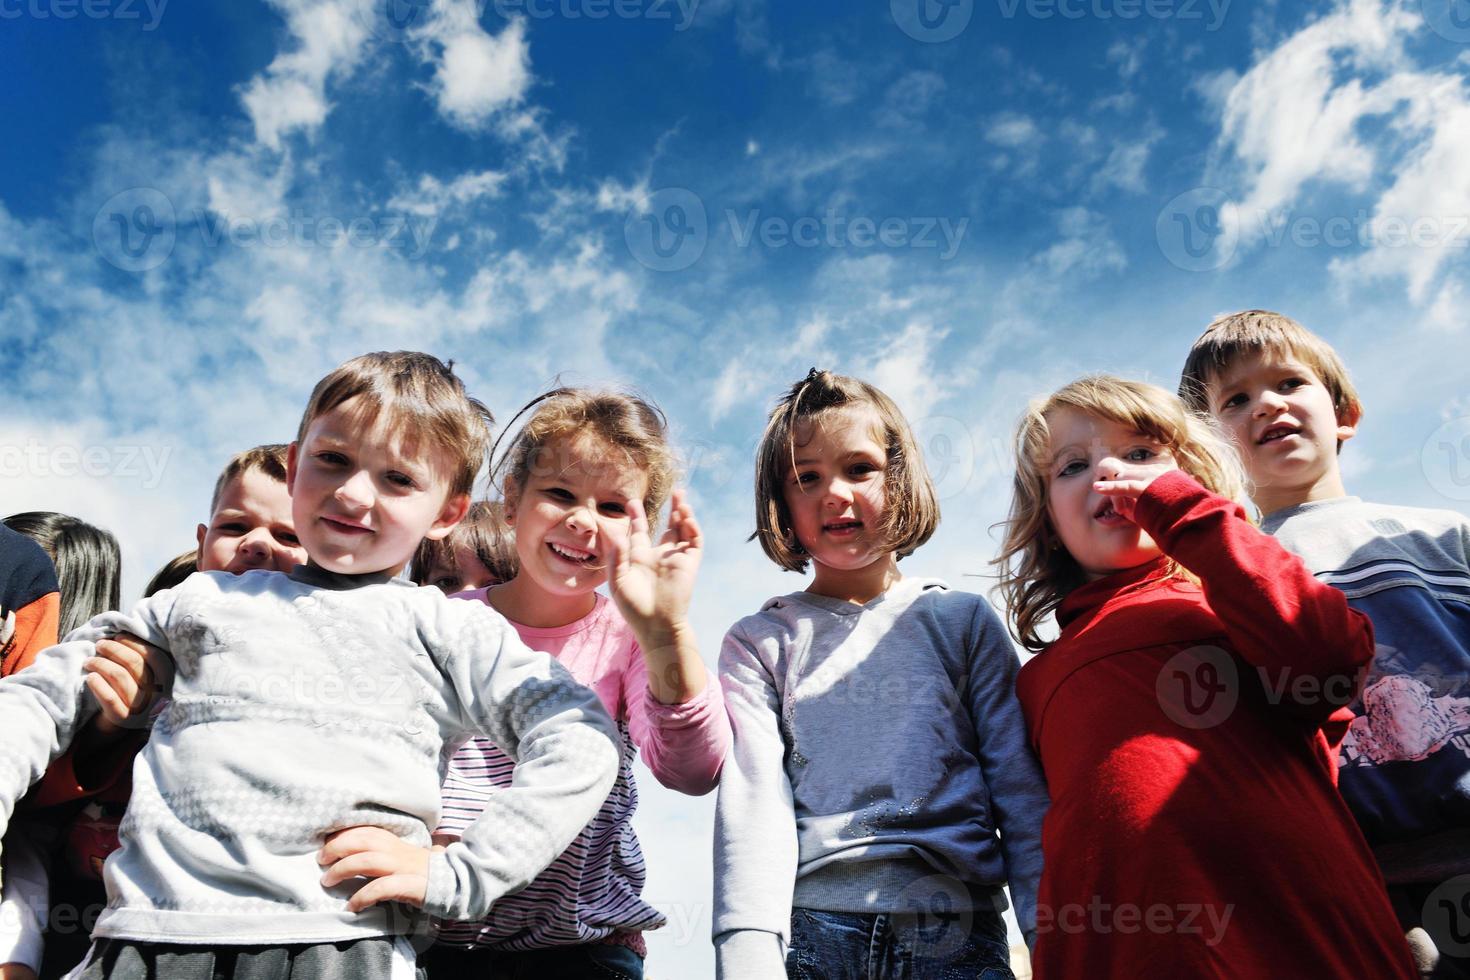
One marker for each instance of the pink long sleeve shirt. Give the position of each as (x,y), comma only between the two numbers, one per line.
(593,891)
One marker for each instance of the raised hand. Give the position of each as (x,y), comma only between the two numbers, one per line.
(125,676)
(652,583)
(400,870)
(1126,482)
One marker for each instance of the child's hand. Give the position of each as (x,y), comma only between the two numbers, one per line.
(652,584)
(125,676)
(1126,482)
(400,871)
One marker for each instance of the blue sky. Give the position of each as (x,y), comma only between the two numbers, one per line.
(204,207)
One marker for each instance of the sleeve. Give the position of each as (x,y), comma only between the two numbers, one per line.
(36,624)
(1310,647)
(756,851)
(562,740)
(27,895)
(683,745)
(1012,775)
(45,705)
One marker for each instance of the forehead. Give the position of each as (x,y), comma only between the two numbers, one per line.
(359,425)
(1255,363)
(1071,428)
(254,491)
(838,430)
(587,458)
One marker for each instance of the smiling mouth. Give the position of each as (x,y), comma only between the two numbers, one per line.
(574,555)
(842,527)
(346,527)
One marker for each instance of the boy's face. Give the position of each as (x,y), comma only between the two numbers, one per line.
(362,503)
(250,528)
(1280,414)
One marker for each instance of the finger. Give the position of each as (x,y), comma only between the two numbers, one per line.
(140,647)
(1114,488)
(124,656)
(351,840)
(638,532)
(113,708)
(690,532)
(123,683)
(393,888)
(364,864)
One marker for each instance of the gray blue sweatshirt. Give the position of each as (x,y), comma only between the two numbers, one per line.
(878,750)
(303,704)
(1405,765)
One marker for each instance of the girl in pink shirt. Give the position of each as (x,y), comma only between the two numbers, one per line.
(579,481)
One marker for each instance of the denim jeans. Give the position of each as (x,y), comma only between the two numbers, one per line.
(932,946)
(595,961)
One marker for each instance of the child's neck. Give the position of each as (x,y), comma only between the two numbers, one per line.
(856,585)
(522,601)
(1272,499)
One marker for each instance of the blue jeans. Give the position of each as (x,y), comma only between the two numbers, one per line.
(887,946)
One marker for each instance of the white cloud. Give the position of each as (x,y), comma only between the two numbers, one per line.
(291,93)
(476,74)
(909,99)
(1012,130)
(432,196)
(1128,57)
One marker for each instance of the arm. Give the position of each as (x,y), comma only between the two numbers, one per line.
(683,744)
(1012,775)
(27,896)
(1311,647)
(36,624)
(755,826)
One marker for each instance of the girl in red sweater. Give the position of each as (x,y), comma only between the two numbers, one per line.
(1189,714)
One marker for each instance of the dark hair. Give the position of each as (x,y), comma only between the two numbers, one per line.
(912,507)
(483,532)
(88,563)
(269,459)
(178,568)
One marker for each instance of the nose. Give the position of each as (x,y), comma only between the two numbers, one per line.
(357,490)
(1109,468)
(256,546)
(1270,403)
(838,493)
(580,519)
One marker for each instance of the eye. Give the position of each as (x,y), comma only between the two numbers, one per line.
(558,493)
(804,478)
(1291,383)
(402,480)
(1234,401)
(613,507)
(1139,454)
(287,537)
(234,527)
(862,469)
(448,585)
(1072,467)
(329,458)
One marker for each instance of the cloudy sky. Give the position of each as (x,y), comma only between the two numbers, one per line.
(205,206)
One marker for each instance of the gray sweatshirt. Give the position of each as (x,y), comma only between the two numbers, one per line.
(303,704)
(878,750)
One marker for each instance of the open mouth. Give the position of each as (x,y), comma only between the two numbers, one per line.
(344,526)
(843,527)
(1276,433)
(576,556)
(1108,514)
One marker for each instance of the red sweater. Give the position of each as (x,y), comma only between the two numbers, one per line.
(1189,736)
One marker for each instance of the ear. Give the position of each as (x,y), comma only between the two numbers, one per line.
(199,533)
(450,514)
(1348,418)
(510,499)
(291,468)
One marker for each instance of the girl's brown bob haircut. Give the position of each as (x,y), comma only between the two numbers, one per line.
(911,507)
(1036,571)
(630,428)
(423,399)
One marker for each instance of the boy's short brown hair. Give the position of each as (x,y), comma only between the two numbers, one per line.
(269,459)
(1259,332)
(424,398)
(911,511)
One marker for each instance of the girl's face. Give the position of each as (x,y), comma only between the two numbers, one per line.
(1084,449)
(574,500)
(835,493)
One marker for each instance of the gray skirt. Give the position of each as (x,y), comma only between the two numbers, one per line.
(374,958)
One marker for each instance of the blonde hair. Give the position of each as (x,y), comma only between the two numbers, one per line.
(422,396)
(1263,332)
(911,511)
(269,459)
(483,533)
(624,422)
(1036,571)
